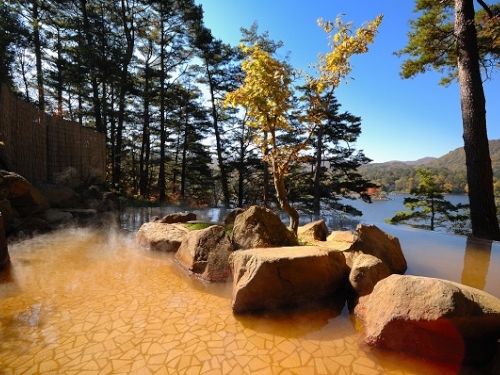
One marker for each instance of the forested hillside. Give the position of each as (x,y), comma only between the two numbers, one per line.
(396,176)
(151,77)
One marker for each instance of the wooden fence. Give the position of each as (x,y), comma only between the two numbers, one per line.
(46,148)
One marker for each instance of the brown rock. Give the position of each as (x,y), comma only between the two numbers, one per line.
(366,272)
(316,231)
(161,237)
(178,217)
(229,220)
(206,253)
(369,239)
(431,318)
(59,196)
(374,241)
(341,240)
(23,196)
(287,276)
(259,227)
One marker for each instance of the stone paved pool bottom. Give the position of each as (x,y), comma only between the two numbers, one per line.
(81,302)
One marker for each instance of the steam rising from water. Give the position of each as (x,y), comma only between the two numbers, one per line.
(93,300)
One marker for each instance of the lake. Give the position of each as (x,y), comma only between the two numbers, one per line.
(379,210)
(373,213)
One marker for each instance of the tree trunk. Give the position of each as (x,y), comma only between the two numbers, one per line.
(163,131)
(129,31)
(265,188)
(38,56)
(241,165)
(282,197)
(184,156)
(317,174)
(218,141)
(477,156)
(96,102)
(145,145)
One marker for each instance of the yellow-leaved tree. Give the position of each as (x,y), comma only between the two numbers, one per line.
(267,96)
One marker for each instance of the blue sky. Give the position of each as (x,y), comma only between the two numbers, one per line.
(401,119)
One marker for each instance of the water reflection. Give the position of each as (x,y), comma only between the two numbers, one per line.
(476,262)
(296,322)
(449,257)
(132,218)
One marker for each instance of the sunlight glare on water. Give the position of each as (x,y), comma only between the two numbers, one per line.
(94,302)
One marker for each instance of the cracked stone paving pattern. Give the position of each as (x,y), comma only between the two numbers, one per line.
(80,302)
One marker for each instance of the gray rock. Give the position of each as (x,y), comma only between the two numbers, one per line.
(53,216)
(206,252)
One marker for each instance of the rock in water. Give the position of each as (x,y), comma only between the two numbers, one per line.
(273,278)
(259,227)
(431,318)
(206,253)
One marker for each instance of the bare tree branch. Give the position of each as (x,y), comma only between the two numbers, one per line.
(486,8)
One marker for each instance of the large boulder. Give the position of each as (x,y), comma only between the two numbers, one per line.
(23,196)
(315,231)
(161,237)
(231,217)
(366,272)
(59,196)
(369,239)
(272,278)
(206,253)
(431,318)
(259,227)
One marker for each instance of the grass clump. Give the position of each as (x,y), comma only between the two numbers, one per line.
(197,226)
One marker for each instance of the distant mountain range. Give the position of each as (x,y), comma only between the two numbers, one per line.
(400,176)
(453,160)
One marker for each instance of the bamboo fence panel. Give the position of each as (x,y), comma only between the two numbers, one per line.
(42,147)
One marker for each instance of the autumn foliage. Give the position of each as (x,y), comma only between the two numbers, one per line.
(267,95)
